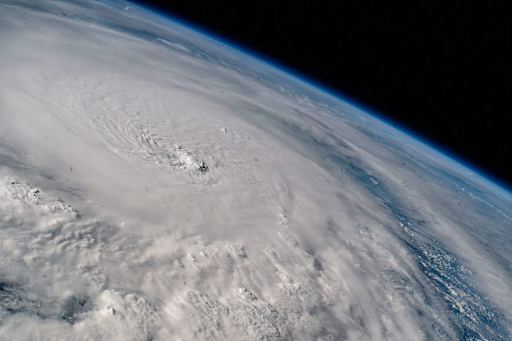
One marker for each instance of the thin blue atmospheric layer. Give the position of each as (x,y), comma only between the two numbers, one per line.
(464,164)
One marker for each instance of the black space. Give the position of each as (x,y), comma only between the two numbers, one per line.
(440,69)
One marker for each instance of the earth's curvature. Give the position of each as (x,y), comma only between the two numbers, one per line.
(157,184)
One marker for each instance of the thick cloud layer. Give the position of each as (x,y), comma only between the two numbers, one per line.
(156,184)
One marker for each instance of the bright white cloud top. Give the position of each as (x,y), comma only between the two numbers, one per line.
(156,184)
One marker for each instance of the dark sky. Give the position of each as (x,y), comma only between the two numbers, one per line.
(440,69)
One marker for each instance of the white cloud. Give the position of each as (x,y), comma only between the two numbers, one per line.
(310,221)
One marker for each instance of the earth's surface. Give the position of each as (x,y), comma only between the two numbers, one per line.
(157,184)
